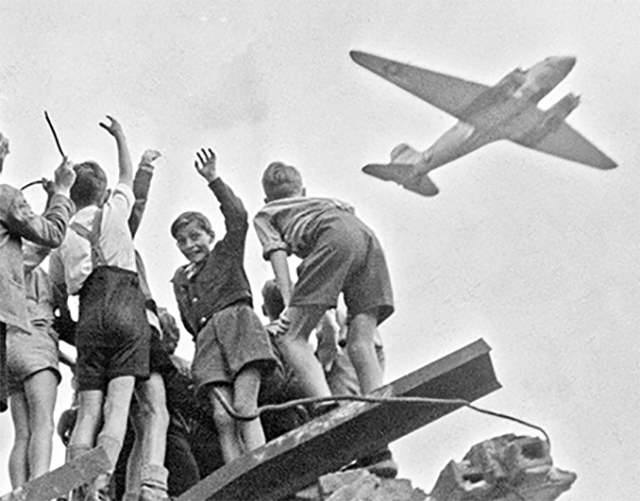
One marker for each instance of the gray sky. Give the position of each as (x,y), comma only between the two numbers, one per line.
(537,255)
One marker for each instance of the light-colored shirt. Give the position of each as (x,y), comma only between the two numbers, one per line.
(115,241)
(284,224)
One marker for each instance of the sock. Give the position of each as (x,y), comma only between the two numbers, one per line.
(111,446)
(155,476)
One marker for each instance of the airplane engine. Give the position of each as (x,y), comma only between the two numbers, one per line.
(552,119)
(508,86)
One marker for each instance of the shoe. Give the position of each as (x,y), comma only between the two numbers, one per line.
(380,463)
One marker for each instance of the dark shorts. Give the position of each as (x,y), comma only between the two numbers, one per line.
(232,338)
(113,334)
(347,258)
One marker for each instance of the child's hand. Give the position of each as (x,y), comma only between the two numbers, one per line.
(207,166)
(114,128)
(64,177)
(281,326)
(49,187)
(4,146)
(149,156)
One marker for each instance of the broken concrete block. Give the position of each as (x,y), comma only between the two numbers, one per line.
(330,483)
(501,468)
(359,490)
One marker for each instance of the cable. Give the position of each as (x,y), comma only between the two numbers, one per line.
(380,400)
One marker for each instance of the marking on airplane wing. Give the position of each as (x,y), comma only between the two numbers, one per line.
(450,94)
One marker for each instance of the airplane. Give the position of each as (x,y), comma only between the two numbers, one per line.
(507,110)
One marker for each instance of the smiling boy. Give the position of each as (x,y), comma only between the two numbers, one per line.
(214,298)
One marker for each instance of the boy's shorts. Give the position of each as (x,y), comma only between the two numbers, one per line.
(231,339)
(113,334)
(347,258)
(28,353)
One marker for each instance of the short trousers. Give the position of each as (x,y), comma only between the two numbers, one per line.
(113,334)
(232,338)
(28,354)
(346,257)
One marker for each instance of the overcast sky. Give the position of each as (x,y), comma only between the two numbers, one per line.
(536,255)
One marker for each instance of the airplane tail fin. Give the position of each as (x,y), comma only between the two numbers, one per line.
(404,175)
(405,154)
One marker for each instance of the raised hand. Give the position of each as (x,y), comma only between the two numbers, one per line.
(149,156)
(206,164)
(4,146)
(49,187)
(113,127)
(64,177)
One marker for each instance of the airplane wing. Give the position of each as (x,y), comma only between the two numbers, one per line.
(403,174)
(451,94)
(569,144)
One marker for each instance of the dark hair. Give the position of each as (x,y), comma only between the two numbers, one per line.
(281,181)
(187,217)
(90,184)
(272,298)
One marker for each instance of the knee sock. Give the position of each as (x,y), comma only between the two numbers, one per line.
(75,451)
(111,446)
(154,476)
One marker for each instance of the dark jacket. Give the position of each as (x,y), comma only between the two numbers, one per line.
(221,281)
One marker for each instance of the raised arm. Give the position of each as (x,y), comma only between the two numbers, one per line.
(236,219)
(50,228)
(125,167)
(141,185)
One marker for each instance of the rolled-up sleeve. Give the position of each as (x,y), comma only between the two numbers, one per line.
(269,236)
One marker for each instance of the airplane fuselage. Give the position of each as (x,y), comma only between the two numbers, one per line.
(506,111)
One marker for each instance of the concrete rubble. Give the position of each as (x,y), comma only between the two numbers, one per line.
(505,468)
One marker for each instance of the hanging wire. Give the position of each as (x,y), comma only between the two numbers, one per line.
(369,399)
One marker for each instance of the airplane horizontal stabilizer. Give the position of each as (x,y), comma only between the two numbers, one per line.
(403,174)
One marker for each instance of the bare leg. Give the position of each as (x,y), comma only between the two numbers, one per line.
(116,413)
(362,353)
(245,401)
(299,353)
(87,423)
(134,462)
(230,441)
(40,390)
(18,462)
(152,433)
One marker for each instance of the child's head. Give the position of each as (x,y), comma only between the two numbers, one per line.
(281,181)
(194,236)
(90,186)
(273,302)
(170,330)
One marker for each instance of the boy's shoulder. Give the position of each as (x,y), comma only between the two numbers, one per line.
(8,194)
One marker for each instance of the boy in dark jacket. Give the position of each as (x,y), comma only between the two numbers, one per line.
(215,303)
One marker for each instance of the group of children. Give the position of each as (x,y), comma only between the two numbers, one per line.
(118,334)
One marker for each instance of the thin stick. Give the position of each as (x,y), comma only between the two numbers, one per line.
(32,183)
(55,136)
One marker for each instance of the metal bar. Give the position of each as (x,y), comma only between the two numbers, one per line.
(296,459)
(60,481)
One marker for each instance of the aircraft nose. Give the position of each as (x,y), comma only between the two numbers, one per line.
(565,63)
